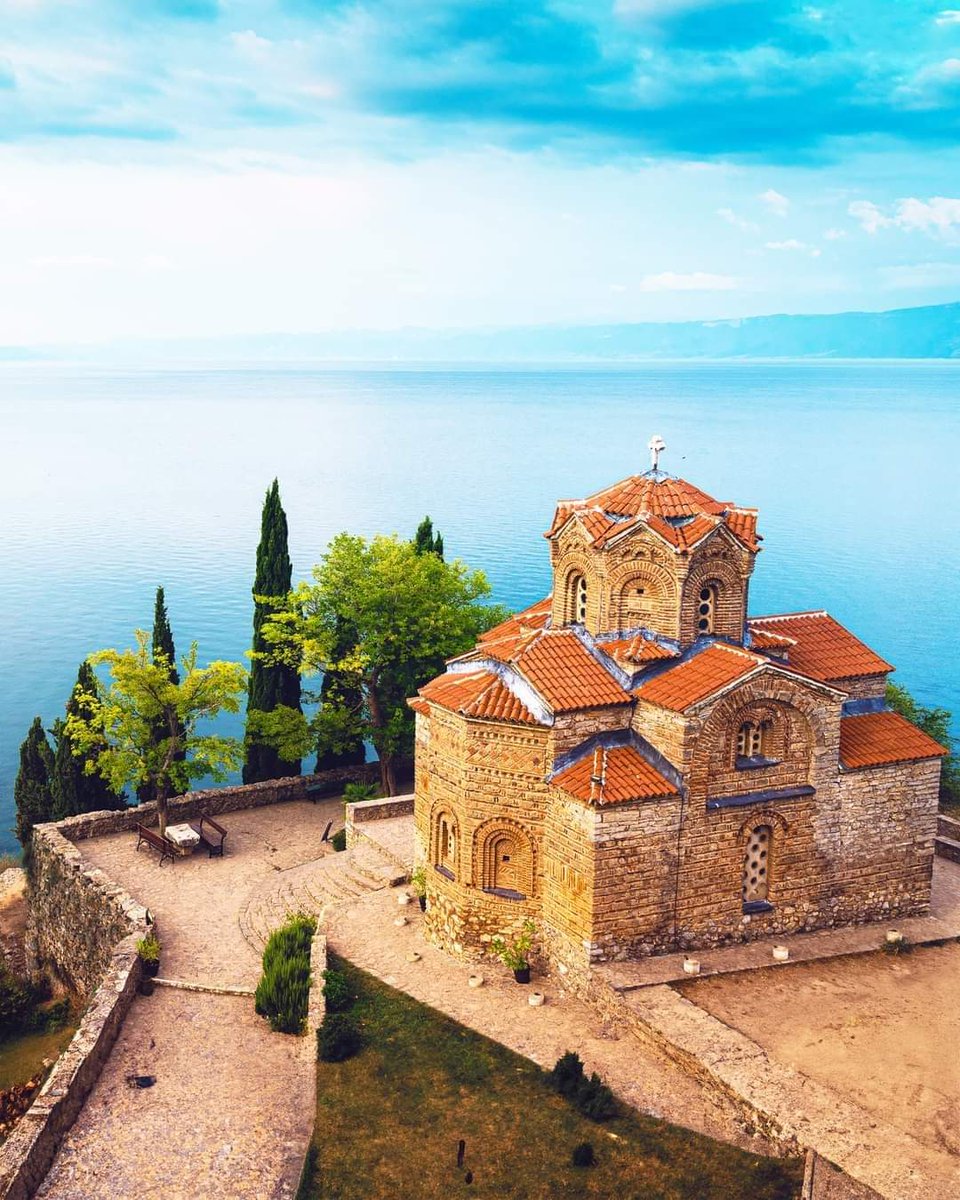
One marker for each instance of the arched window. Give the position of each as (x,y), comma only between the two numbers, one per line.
(756,865)
(507,866)
(707,608)
(752,739)
(445,856)
(578,599)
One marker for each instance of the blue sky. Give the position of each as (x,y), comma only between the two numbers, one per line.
(180,167)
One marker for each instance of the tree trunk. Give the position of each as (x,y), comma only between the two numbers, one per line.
(388,774)
(162,810)
(388,770)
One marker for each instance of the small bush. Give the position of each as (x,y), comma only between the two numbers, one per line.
(336,991)
(338,1038)
(339,840)
(896,948)
(567,1075)
(595,1100)
(355,792)
(583,1155)
(18,999)
(283,992)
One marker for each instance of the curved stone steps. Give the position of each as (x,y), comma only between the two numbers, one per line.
(314,887)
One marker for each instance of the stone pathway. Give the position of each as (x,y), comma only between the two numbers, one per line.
(232,1108)
(942,924)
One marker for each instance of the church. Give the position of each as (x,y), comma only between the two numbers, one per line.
(639,766)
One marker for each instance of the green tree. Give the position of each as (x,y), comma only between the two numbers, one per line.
(32,792)
(116,723)
(425,541)
(162,649)
(76,790)
(339,742)
(936,723)
(380,615)
(272,684)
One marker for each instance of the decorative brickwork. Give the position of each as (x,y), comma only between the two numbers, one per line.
(654,772)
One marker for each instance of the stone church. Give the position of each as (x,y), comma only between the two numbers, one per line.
(640,766)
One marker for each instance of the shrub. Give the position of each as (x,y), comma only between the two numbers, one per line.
(595,1100)
(583,1155)
(283,992)
(355,792)
(148,948)
(338,1038)
(18,998)
(336,991)
(567,1075)
(339,840)
(514,954)
(897,947)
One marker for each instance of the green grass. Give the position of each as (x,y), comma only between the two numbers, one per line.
(9,860)
(389,1120)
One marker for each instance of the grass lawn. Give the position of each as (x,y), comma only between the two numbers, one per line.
(390,1119)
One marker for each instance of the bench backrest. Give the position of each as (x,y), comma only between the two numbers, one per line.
(154,839)
(213,825)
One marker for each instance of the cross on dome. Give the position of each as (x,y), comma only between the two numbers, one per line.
(656,446)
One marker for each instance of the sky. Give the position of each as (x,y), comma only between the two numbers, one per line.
(180,168)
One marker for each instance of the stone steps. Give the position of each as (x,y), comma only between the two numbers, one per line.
(315,887)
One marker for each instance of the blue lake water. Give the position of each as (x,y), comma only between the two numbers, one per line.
(115,481)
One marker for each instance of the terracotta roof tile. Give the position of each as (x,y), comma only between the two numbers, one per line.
(566,675)
(765,639)
(477,694)
(637,650)
(626,776)
(876,739)
(534,617)
(742,523)
(661,496)
(699,677)
(824,650)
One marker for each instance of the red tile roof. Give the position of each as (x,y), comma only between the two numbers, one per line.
(876,739)
(477,694)
(677,510)
(566,675)
(504,641)
(637,650)
(699,677)
(764,639)
(625,774)
(824,650)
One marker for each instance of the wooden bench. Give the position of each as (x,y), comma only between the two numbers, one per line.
(211,835)
(163,844)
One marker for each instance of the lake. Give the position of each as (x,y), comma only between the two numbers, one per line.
(116,481)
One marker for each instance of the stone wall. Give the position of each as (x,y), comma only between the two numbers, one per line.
(27,1154)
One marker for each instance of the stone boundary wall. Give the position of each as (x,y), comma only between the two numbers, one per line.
(360,812)
(26,1156)
(214,801)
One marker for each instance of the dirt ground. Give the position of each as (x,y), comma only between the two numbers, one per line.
(883,1031)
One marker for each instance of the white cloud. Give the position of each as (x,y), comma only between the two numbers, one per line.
(695,281)
(775,201)
(251,44)
(949,16)
(793,244)
(939,216)
(732,218)
(71,260)
(834,235)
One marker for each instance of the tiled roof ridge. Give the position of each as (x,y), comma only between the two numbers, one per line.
(882,739)
(810,612)
(529,705)
(612,739)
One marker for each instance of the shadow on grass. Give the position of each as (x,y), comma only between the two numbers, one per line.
(389,1122)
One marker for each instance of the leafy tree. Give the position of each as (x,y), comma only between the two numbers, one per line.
(272,684)
(74,789)
(32,792)
(380,615)
(936,723)
(116,723)
(162,648)
(340,743)
(425,542)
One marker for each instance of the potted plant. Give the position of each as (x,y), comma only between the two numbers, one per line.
(148,949)
(418,881)
(514,954)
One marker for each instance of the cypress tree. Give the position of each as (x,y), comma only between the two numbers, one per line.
(31,791)
(73,790)
(271,685)
(161,647)
(425,541)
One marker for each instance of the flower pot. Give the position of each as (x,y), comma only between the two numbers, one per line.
(146,987)
(536,999)
(894,936)
(522,974)
(403,897)
(400,921)
(414,956)
(150,967)
(423,903)
(691,966)
(475,981)
(781,953)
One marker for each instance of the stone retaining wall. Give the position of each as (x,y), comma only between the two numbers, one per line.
(27,1154)
(359,812)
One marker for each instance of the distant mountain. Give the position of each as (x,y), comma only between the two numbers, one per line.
(930,332)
